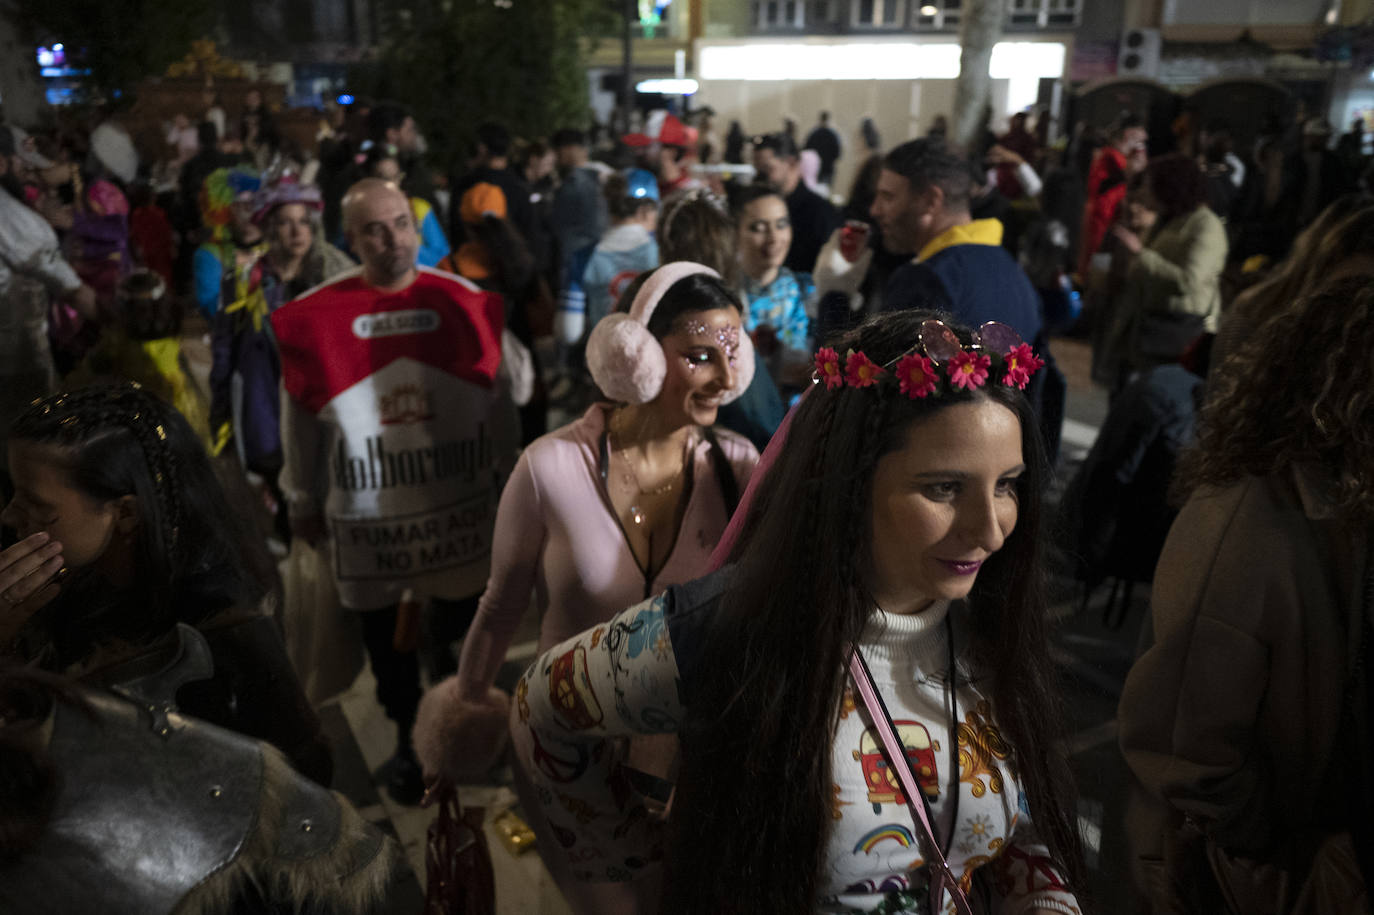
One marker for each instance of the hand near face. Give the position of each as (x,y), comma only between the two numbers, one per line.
(1139,218)
(58,214)
(1000,155)
(1128,239)
(27,573)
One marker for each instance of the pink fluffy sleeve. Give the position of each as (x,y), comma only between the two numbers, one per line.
(515,551)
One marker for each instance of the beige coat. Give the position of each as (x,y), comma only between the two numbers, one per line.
(1172,292)
(1232,716)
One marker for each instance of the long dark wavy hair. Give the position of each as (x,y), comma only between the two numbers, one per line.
(1300,390)
(195,557)
(751,817)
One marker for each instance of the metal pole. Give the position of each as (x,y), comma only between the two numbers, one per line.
(627,88)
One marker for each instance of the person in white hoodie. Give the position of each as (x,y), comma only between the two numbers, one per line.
(32,273)
(628,248)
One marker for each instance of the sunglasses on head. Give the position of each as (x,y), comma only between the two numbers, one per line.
(941,344)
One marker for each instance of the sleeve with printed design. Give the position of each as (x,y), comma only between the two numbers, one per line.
(617,680)
(1025,879)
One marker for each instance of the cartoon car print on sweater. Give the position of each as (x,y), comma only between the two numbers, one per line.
(883,784)
(570,690)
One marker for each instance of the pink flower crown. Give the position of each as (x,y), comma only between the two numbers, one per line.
(996,351)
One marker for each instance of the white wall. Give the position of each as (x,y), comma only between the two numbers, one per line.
(901,81)
(901,109)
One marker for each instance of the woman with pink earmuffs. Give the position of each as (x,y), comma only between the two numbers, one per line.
(605,512)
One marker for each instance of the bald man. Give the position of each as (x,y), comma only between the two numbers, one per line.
(381,230)
(393,423)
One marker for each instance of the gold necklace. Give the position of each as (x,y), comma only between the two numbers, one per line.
(637,514)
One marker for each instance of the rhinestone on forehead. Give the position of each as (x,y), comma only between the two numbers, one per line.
(726,337)
(728,340)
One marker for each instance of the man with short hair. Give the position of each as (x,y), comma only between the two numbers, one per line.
(813,217)
(922,205)
(826,142)
(394,125)
(579,209)
(393,425)
(32,271)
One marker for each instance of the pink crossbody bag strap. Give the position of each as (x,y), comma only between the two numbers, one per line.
(941,877)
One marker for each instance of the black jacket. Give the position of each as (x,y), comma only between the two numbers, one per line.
(813,219)
(1116,512)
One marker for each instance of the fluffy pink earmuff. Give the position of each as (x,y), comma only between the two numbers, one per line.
(625,360)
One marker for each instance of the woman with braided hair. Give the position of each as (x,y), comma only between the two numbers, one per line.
(125,533)
(883,590)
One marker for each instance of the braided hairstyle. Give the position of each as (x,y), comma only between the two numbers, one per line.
(192,555)
(756,742)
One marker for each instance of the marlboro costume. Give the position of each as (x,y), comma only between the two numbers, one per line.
(392,424)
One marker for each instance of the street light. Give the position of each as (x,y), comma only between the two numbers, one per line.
(668,86)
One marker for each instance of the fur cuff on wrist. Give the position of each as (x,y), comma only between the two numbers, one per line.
(460,738)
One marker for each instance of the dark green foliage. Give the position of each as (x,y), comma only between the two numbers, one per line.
(457,63)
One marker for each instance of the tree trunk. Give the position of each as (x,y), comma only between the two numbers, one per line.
(979,29)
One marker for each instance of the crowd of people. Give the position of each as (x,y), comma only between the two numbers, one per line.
(771,462)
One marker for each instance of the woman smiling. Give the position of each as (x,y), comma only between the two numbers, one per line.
(608,510)
(863,693)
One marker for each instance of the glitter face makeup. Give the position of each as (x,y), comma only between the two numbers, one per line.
(726,338)
(703,353)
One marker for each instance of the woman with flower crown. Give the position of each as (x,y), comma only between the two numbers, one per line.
(879,589)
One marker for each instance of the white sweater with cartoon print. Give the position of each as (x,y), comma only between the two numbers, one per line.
(621,679)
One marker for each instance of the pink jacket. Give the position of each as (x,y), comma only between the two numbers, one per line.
(556,536)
